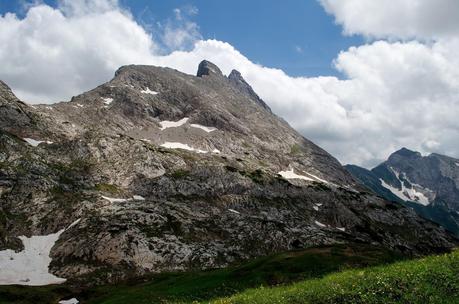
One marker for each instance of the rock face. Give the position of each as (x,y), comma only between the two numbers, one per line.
(169,171)
(429,184)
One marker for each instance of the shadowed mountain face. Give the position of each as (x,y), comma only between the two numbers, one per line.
(168,171)
(429,184)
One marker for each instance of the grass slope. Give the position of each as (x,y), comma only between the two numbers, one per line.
(433,279)
(207,285)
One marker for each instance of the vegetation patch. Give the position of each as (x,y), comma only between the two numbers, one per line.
(433,279)
(180,173)
(295,149)
(108,188)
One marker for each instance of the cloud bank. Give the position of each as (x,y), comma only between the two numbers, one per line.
(395,93)
(424,19)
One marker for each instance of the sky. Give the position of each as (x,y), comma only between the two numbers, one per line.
(360,78)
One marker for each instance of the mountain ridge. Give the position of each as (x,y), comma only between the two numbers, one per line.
(166,171)
(429,184)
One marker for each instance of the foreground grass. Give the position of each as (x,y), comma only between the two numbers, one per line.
(207,285)
(433,279)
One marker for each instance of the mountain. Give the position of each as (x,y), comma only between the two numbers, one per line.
(157,170)
(428,184)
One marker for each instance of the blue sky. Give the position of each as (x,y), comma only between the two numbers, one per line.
(296,36)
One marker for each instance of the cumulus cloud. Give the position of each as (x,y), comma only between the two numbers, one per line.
(181,33)
(52,54)
(395,94)
(406,19)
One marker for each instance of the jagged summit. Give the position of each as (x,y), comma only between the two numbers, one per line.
(239,82)
(207,68)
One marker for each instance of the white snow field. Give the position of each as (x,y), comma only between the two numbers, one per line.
(69,301)
(177,145)
(107,100)
(35,143)
(148,91)
(30,266)
(291,175)
(207,129)
(165,124)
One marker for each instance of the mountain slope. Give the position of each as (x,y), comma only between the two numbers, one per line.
(429,184)
(157,170)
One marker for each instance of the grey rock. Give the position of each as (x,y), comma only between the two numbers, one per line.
(198,210)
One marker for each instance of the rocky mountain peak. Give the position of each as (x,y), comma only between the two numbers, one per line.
(239,82)
(405,153)
(207,68)
(6,94)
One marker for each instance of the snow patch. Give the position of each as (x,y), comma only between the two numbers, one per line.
(107,101)
(316,208)
(172,124)
(207,129)
(177,145)
(407,194)
(341,229)
(291,175)
(148,91)
(30,266)
(216,151)
(320,224)
(317,178)
(69,301)
(457,164)
(123,200)
(115,200)
(234,211)
(35,143)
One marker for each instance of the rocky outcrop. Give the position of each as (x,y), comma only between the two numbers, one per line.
(169,171)
(239,82)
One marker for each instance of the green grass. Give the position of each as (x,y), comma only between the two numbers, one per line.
(434,279)
(354,273)
(269,271)
(180,174)
(207,285)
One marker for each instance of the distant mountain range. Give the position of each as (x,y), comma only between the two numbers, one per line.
(428,184)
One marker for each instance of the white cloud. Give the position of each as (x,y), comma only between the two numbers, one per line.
(406,19)
(180,33)
(51,54)
(396,94)
(87,7)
